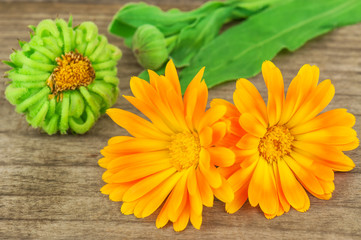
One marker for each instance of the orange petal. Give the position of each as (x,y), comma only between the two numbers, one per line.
(336,135)
(107,188)
(139,171)
(169,103)
(256,184)
(292,189)
(211,116)
(146,185)
(172,76)
(219,131)
(326,155)
(248,141)
(284,204)
(208,170)
(302,159)
(196,203)
(151,201)
(137,145)
(135,125)
(314,104)
(328,186)
(162,218)
(204,189)
(160,121)
(235,128)
(240,197)
(196,220)
(323,172)
(128,207)
(308,180)
(349,146)
(195,99)
(319,170)
(274,82)
(243,153)
(242,177)
(117,192)
(103,162)
(332,118)
(178,198)
(177,107)
(269,202)
(221,156)
(205,136)
(151,97)
(141,89)
(226,172)
(174,215)
(109,155)
(182,221)
(224,192)
(232,111)
(192,185)
(118,139)
(137,159)
(247,99)
(252,125)
(249,160)
(300,88)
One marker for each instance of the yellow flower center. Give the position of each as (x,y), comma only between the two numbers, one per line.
(276,143)
(73,70)
(184,150)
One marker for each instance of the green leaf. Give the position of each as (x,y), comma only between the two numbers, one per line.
(172,22)
(205,29)
(240,51)
(195,36)
(133,15)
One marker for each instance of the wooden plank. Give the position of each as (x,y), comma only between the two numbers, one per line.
(244,224)
(49,185)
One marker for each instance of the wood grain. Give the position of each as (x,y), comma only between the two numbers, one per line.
(49,185)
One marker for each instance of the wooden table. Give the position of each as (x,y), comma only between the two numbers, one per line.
(49,185)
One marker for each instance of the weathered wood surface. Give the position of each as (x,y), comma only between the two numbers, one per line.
(49,185)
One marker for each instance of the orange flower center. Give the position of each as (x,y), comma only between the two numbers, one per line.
(276,143)
(184,150)
(73,70)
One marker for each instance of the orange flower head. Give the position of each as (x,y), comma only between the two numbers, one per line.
(287,146)
(172,158)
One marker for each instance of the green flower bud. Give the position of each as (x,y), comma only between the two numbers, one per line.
(64,78)
(149,47)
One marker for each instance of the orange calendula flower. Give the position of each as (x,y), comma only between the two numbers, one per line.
(287,146)
(173,157)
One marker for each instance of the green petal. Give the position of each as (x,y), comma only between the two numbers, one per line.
(99,49)
(79,126)
(76,104)
(51,126)
(40,116)
(94,105)
(33,99)
(67,36)
(12,93)
(64,117)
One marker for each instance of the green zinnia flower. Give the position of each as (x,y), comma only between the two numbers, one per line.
(64,77)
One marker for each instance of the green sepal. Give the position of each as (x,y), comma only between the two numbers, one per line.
(9,63)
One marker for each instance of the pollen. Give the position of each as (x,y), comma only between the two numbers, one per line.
(184,150)
(276,143)
(73,71)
